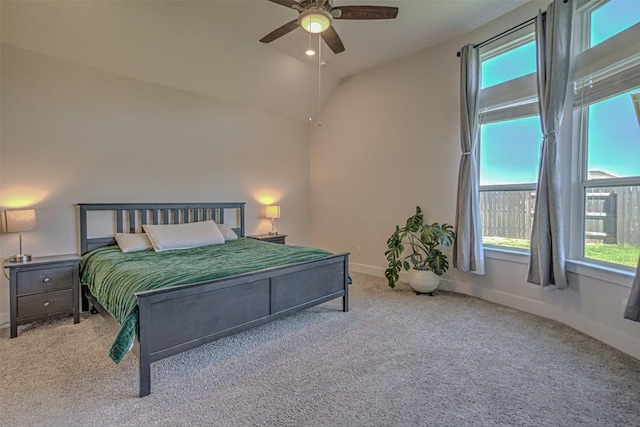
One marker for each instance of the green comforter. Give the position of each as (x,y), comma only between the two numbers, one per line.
(113,276)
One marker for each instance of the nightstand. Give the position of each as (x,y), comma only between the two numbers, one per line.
(43,288)
(273,238)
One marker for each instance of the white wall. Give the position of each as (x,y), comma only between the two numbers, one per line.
(2,311)
(189,45)
(71,133)
(389,142)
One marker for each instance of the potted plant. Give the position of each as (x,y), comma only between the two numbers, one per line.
(421,241)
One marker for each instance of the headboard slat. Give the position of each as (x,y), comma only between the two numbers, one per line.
(119,225)
(143,213)
(132,221)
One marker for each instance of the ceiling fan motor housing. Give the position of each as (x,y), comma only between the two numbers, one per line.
(324,4)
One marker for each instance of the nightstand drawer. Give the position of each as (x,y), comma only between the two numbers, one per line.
(45,304)
(274,239)
(44,280)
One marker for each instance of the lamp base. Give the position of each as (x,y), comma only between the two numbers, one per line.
(20,258)
(273,233)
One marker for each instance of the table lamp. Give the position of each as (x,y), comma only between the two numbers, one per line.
(16,222)
(273,212)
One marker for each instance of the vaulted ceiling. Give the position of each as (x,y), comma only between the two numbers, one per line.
(211,47)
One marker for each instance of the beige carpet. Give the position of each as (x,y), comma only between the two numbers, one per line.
(394,359)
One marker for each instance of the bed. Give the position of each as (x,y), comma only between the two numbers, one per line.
(217,307)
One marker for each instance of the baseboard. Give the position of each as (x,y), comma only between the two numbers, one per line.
(607,335)
(366,269)
(4,320)
(374,271)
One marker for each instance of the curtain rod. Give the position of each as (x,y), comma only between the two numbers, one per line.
(502,34)
(510,30)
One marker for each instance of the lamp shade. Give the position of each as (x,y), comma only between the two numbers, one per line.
(273,212)
(315,20)
(18,221)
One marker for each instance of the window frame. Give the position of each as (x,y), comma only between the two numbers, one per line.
(517,98)
(603,71)
(510,100)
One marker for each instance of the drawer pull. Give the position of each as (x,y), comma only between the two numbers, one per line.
(46,280)
(46,303)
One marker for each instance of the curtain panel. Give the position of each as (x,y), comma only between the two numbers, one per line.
(632,311)
(553,39)
(468,253)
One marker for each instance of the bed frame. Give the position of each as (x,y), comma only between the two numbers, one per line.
(217,308)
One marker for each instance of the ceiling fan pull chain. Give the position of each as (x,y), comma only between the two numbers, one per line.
(309,57)
(319,78)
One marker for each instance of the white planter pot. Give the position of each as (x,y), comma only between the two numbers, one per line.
(424,282)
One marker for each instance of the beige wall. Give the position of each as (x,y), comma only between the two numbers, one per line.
(73,134)
(389,142)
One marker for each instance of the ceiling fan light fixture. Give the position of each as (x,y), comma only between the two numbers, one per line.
(315,20)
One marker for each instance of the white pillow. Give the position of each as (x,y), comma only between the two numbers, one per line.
(227,232)
(183,236)
(133,242)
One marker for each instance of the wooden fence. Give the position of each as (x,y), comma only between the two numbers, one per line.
(613,214)
(507,213)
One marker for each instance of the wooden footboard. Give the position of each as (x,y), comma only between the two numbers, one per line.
(226,306)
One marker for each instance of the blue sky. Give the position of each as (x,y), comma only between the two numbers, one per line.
(614,131)
(612,18)
(510,150)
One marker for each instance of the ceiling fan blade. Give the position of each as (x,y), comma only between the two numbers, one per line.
(287,3)
(279,32)
(364,12)
(331,37)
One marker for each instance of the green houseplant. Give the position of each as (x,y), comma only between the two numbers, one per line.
(421,241)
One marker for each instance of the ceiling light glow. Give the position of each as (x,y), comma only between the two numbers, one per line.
(315,20)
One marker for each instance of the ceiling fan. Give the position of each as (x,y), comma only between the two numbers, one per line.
(316,16)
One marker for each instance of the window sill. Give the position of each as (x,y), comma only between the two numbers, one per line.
(616,276)
(507,254)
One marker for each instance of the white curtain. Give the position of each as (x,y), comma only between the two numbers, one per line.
(553,38)
(468,254)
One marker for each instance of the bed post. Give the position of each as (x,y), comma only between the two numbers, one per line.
(143,339)
(84,302)
(345,298)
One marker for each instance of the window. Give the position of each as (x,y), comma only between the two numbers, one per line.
(606,89)
(611,18)
(510,151)
(515,62)
(613,136)
(603,151)
(510,138)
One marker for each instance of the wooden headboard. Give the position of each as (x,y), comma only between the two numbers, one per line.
(130,217)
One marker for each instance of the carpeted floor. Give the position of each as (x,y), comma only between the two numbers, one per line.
(394,359)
